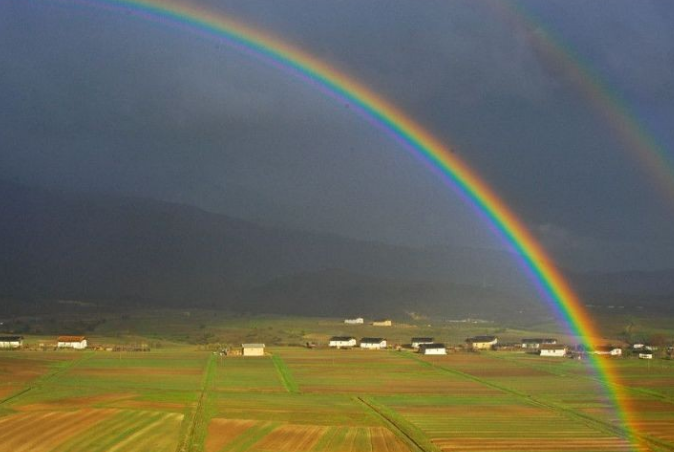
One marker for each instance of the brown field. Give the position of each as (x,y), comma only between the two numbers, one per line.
(46,430)
(223,431)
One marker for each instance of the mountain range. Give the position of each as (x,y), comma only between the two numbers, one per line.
(108,249)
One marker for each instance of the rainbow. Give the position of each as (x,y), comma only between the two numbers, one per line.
(656,162)
(405,130)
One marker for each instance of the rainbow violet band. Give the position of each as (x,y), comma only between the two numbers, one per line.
(557,293)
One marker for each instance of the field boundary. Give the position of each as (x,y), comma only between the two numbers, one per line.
(197,424)
(402,428)
(285,375)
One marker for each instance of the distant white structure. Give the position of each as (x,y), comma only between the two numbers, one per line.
(342,342)
(356,321)
(252,349)
(553,350)
(432,349)
(373,343)
(607,350)
(11,341)
(383,322)
(419,341)
(482,342)
(535,343)
(646,355)
(76,342)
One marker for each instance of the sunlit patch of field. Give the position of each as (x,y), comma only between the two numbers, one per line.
(38,431)
(225,435)
(246,374)
(369,372)
(499,423)
(18,369)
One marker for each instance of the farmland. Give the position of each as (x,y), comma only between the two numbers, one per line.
(184,397)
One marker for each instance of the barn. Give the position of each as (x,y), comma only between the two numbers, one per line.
(11,341)
(482,342)
(373,343)
(342,342)
(418,341)
(76,342)
(252,349)
(432,349)
(553,350)
(607,350)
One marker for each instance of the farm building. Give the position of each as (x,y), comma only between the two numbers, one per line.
(11,341)
(342,342)
(432,349)
(535,343)
(607,350)
(252,349)
(384,322)
(417,341)
(482,342)
(647,354)
(553,350)
(76,342)
(373,343)
(356,321)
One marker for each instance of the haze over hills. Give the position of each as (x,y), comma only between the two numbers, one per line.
(113,249)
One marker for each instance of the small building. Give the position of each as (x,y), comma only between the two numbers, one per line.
(638,346)
(373,343)
(252,349)
(482,342)
(646,354)
(418,341)
(432,349)
(11,341)
(535,343)
(384,322)
(342,342)
(607,350)
(553,350)
(75,342)
(356,321)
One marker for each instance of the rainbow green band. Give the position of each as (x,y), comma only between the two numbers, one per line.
(389,117)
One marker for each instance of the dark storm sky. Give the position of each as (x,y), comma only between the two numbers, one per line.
(97,100)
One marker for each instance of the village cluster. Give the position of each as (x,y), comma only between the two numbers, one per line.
(545,347)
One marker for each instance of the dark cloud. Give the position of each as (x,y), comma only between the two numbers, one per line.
(101,100)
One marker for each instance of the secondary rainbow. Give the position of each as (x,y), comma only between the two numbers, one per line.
(384,114)
(656,162)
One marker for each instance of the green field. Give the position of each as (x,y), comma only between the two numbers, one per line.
(184,397)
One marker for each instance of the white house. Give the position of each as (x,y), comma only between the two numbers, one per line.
(76,342)
(383,322)
(608,350)
(432,349)
(418,341)
(373,343)
(356,321)
(11,341)
(482,342)
(553,350)
(535,343)
(342,342)
(252,349)
(646,355)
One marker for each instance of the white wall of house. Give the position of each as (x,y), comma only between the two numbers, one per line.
(373,346)
(76,345)
(356,321)
(339,344)
(435,351)
(559,353)
(10,344)
(253,350)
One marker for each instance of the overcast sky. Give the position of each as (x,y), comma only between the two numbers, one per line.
(92,99)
